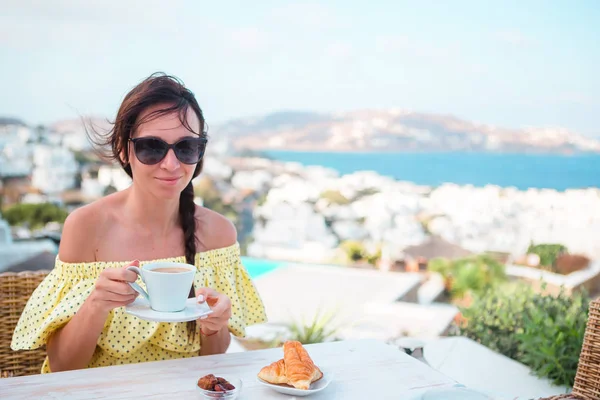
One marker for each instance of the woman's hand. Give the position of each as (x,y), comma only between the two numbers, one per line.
(221,311)
(112,290)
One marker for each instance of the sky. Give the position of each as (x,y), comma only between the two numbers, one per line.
(506,63)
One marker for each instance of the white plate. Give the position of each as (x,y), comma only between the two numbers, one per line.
(315,387)
(141,309)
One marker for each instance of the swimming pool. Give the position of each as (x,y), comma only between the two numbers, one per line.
(258,266)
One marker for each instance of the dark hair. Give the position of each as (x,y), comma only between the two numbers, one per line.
(158,88)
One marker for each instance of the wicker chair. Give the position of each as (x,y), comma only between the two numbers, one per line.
(15,290)
(587,380)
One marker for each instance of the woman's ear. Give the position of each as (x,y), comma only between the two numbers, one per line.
(123,154)
(123,158)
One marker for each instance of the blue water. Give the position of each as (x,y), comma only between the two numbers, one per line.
(522,171)
(257,267)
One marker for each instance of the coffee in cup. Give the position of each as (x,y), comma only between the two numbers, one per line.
(168,284)
(170,270)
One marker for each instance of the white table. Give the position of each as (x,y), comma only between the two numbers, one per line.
(480,368)
(363,369)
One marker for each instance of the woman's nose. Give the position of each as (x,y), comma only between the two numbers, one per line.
(170,162)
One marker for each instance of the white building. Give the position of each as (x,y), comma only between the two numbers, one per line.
(255,180)
(215,168)
(76,141)
(92,188)
(290,231)
(54,169)
(476,218)
(16,158)
(113,176)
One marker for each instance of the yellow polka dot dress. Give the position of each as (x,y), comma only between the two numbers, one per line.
(127,339)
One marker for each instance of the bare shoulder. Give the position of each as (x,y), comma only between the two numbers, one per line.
(214,231)
(81,231)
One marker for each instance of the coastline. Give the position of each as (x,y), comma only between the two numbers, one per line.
(506,170)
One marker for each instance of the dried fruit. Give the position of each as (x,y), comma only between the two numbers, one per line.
(214,383)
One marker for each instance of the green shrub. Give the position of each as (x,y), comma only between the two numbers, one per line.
(469,274)
(355,251)
(552,336)
(207,189)
(320,329)
(544,332)
(548,253)
(496,317)
(34,215)
(374,257)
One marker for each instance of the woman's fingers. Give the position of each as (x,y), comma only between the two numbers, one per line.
(220,305)
(121,297)
(121,274)
(121,303)
(221,312)
(114,287)
(207,294)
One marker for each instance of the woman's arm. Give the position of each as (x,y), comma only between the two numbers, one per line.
(214,330)
(72,346)
(214,343)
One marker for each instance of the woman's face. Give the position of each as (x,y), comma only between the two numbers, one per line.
(168,177)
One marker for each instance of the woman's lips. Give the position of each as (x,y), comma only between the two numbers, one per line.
(169,181)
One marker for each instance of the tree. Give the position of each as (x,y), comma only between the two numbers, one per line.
(547,252)
(206,189)
(468,275)
(355,251)
(110,189)
(35,215)
(335,197)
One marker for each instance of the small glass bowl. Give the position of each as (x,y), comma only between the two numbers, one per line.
(228,395)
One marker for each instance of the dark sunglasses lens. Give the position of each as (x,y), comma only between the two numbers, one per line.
(150,151)
(190,151)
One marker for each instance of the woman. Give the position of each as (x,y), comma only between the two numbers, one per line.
(77,311)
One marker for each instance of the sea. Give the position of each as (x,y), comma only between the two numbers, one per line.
(522,171)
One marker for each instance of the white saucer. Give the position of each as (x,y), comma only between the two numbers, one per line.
(141,309)
(292,391)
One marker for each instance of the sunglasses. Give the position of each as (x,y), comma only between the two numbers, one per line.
(151,150)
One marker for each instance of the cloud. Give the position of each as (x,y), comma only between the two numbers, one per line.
(414,48)
(106,11)
(514,38)
(392,43)
(83,25)
(340,50)
(250,39)
(576,98)
(315,16)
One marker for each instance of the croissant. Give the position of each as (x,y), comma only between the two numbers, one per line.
(296,368)
(274,373)
(300,370)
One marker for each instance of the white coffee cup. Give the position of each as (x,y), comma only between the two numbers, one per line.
(168,284)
